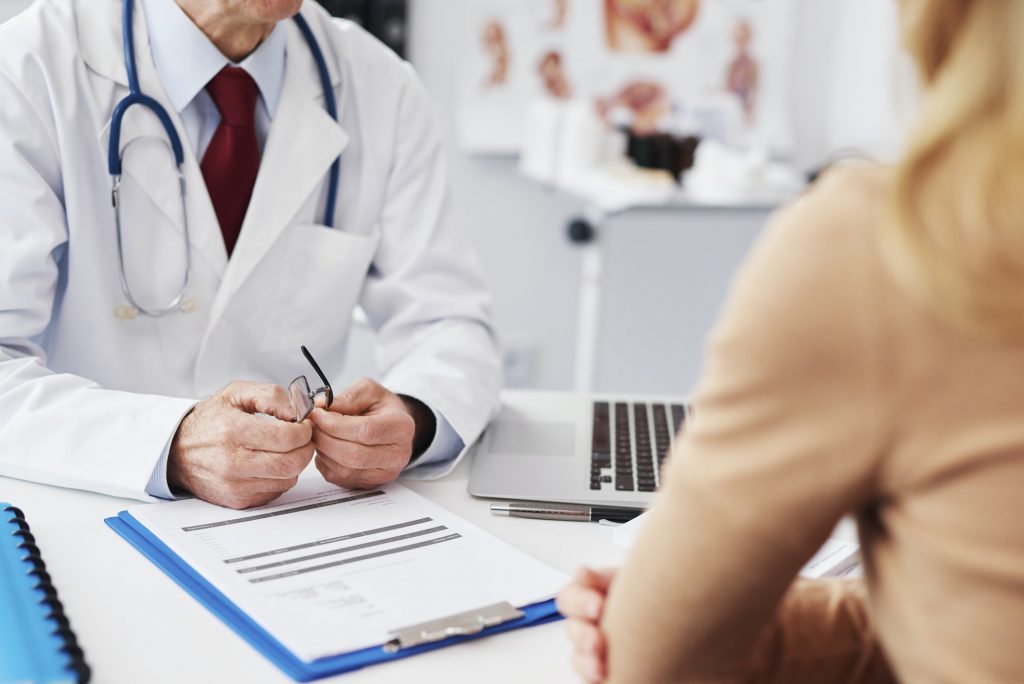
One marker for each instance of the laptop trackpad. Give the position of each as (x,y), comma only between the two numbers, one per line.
(534,438)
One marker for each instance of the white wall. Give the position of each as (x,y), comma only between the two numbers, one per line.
(8,8)
(855,87)
(872,83)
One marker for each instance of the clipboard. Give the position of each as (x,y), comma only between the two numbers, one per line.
(407,640)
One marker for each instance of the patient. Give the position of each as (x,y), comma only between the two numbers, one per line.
(870,361)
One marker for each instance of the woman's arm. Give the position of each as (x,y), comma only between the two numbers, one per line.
(786,438)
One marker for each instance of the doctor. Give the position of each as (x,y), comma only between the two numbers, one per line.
(235,240)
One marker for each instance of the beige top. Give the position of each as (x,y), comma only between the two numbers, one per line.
(827,391)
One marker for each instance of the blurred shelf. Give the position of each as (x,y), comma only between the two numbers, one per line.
(607,195)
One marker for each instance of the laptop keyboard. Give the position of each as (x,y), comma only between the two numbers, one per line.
(631,440)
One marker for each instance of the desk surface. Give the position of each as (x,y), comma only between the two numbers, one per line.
(136,625)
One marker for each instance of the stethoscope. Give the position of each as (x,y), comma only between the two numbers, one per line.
(137,97)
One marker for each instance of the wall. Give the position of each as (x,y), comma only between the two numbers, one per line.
(8,8)
(873,90)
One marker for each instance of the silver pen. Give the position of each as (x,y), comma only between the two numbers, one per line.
(553,511)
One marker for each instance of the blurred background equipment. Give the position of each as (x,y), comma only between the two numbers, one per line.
(386,19)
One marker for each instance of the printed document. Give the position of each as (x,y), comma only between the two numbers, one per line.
(326,570)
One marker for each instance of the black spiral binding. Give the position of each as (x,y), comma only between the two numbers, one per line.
(76,658)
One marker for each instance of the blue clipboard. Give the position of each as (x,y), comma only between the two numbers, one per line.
(136,534)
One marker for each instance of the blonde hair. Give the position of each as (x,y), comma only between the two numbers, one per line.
(957,238)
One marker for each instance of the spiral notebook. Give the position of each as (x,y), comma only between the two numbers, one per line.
(36,641)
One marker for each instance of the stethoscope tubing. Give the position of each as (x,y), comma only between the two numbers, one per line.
(332,109)
(135,98)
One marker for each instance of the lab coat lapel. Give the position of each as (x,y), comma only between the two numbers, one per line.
(100,34)
(301,145)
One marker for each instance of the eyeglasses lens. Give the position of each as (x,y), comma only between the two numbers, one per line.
(302,400)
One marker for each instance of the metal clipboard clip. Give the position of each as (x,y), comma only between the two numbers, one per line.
(462,624)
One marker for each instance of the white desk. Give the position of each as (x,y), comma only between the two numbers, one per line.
(136,625)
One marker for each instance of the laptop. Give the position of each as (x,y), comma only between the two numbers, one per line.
(573,448)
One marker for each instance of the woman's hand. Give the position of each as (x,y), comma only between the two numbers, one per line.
(582,603)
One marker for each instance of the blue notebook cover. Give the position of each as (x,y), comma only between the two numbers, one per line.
(187,578)
(36,640)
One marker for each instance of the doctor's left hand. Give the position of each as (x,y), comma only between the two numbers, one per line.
(369,434)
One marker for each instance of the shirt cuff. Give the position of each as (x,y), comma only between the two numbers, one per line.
(446,445)
(158,485)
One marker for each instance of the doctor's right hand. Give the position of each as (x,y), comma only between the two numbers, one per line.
(225,454)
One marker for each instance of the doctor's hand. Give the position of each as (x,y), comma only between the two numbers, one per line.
(582,603)
(224,454)
(369,434)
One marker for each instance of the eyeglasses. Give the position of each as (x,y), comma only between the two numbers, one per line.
(304,399)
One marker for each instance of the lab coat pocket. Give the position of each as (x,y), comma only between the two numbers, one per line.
(323,271)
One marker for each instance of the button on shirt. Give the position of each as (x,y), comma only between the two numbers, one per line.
(186,60)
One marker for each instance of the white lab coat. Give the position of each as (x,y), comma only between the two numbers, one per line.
(89,400)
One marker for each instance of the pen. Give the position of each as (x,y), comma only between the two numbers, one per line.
(579,513)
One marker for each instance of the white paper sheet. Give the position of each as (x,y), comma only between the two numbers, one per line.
(327,570)
(837,558)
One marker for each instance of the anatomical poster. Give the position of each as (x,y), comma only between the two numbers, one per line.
(719,67)
(516,54)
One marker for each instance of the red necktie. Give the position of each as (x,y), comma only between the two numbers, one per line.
(232,160)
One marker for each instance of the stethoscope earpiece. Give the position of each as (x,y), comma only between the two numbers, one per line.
(126,313)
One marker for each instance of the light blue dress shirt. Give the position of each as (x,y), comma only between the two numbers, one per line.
(186,60)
